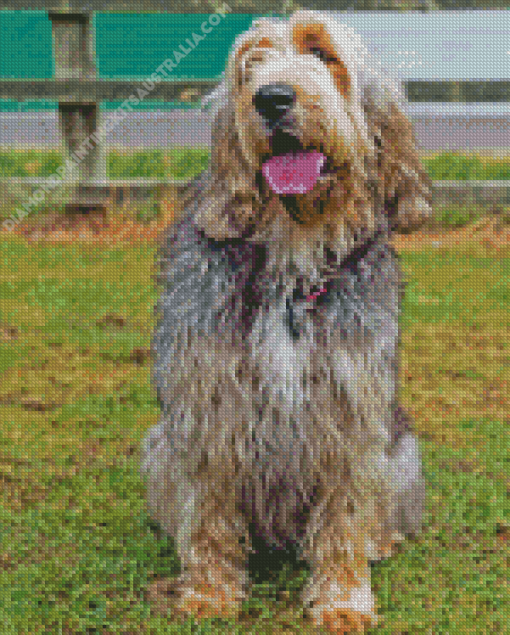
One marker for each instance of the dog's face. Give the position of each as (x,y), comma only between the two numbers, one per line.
(294,116)
(308,135)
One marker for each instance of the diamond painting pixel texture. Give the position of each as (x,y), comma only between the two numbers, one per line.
(275,375)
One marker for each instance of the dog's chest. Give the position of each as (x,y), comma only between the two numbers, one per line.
(303,344)
(282,346)
(295,341)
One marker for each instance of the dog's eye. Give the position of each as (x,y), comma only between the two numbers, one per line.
(322,55)
(257,56)
(250,62)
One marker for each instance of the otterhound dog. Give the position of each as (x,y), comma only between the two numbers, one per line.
(276,351)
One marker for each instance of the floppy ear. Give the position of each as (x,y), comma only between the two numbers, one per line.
(229,199)
(404,184)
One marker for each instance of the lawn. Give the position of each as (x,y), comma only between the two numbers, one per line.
(184,163)
(176,163)
(78,550)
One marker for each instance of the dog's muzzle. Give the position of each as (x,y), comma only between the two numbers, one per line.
(290,169)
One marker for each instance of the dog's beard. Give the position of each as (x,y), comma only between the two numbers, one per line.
(305,256)
(297,207)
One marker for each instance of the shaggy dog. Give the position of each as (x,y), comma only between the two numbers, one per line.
(277,346)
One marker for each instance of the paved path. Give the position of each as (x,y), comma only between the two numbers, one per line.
(451,126)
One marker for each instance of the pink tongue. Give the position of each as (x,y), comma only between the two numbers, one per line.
(293,173)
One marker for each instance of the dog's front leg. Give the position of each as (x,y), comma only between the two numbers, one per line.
(207,526)
(338,596)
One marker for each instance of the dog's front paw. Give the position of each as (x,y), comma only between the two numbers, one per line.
(199,600)
(339,607)
(340,621)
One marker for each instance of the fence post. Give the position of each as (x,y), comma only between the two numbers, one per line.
(74,55)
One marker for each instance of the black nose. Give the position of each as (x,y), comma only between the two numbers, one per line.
(273,101)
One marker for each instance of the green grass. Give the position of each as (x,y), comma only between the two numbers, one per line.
(29,162)
(177,163)
(454,216)
(458,167)
(184,163)
(77,548)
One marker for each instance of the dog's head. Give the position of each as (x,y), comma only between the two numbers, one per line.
(308,134)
